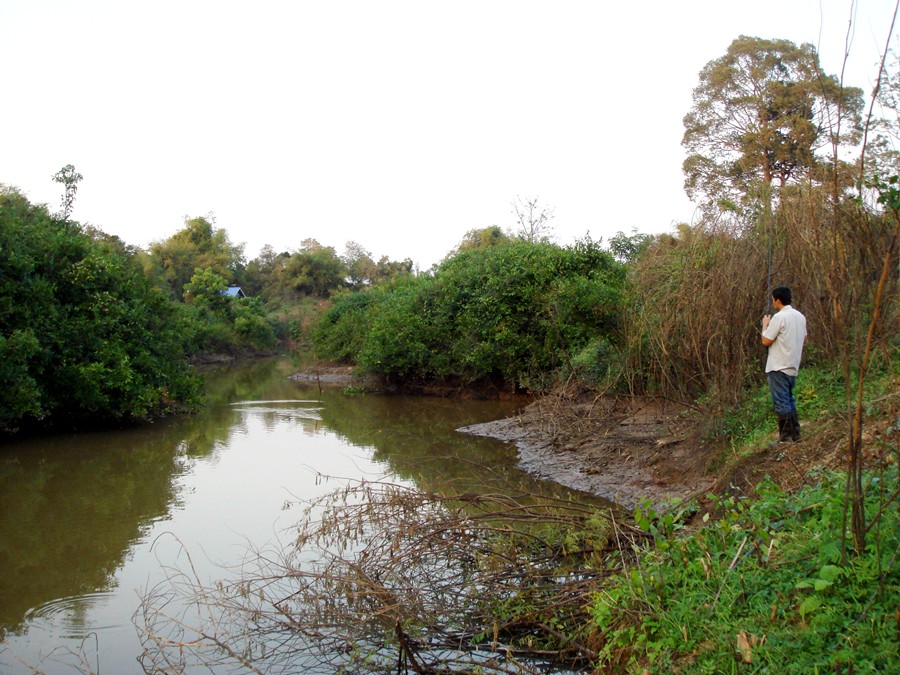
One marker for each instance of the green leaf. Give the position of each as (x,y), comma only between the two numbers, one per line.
(830,572)
(810,604)
(821,584)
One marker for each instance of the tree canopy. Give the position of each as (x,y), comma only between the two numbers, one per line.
(199,245)
(761,113)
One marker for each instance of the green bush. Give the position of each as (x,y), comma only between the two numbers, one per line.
(83,336)
(340,334)
(512,312)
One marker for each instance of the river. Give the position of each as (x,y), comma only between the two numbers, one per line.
(89,521)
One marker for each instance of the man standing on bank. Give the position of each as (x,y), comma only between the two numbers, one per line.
(784,334)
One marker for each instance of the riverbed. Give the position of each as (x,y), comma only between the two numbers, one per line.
(89,522)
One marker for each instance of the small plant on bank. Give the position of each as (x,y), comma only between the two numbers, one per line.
(763,588)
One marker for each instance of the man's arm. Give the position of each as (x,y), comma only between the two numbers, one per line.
(765,325)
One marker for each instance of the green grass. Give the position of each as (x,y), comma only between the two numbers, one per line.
(820,394)
(763,589)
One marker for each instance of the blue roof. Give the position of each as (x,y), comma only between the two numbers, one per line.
(233,292)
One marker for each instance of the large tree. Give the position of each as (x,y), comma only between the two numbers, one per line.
(199,245)
(761,115)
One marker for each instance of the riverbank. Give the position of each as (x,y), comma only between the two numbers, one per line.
(630,449)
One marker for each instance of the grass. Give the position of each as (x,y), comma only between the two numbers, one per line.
(820,394)
(768,587)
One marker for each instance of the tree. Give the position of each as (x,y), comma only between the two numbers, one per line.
(486,236)
(199,245)
(361,269)
(387,269)
(761,112)
(626,248)
(532,220)
(314,270)
(259,277)
(206,288)
(69,179)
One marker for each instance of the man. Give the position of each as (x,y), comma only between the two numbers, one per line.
(784,334)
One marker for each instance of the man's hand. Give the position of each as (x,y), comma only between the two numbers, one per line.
(765,324)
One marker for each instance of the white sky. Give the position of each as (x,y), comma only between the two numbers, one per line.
(399,125)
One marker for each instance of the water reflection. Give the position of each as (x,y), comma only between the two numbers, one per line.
(79,514)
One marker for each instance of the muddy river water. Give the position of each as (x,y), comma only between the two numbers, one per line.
(89,521)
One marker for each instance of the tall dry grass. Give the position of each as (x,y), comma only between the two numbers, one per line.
(695,300)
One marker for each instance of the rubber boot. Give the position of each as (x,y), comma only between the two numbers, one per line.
(785,428)
(795,427)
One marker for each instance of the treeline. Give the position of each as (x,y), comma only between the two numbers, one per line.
(768,143)
(94,331)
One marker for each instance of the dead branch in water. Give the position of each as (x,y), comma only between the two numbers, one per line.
(384,577)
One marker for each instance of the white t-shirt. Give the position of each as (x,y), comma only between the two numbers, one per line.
(788,330)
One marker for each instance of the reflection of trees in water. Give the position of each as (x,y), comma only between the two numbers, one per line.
(417,438)
(70,507)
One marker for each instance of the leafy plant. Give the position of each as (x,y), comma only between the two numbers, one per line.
(762,587)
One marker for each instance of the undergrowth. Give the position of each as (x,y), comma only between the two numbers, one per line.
(820,393)
(768,587)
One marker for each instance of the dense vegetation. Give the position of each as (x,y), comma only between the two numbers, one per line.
(764,587)
(83,335)
(511,314)
(93,331)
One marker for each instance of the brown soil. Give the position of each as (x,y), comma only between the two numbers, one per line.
(631,449)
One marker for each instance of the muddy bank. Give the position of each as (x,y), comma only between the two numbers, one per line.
(630,449)
(624,450)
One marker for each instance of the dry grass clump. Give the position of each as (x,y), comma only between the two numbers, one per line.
(385,577)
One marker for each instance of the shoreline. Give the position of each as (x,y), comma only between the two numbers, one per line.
(626,451)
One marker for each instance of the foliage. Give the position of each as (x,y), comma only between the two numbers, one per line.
(340,335)
(206,288)
(761,587)
(199,245)
(508,312)
(214,322)
(760,113)
(69,179)
(626,248)
(83,336)
(482,238)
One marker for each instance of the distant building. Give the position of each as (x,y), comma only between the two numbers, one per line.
(233,292)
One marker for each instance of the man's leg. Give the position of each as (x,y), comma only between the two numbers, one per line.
(781,388)
(793,420)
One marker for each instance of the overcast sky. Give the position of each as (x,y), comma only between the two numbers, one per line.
(398,125)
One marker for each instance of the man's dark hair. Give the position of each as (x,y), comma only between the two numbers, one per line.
(782,293)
